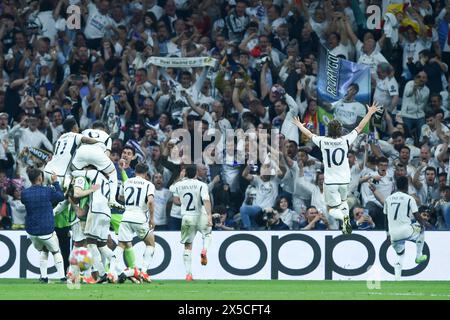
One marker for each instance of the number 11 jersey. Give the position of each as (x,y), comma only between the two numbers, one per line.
(334,153)
(136,191)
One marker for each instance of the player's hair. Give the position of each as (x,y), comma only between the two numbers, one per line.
(402,184)
(141,168)
(191,171)
(334,129)
(129,148)
(34,174)
(68,124)
(98,125)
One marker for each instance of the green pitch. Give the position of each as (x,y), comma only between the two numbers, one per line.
(232,289)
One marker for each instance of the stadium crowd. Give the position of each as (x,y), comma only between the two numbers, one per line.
(267,53)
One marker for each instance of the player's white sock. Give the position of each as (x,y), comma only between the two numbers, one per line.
(107,254)
(148,255)
(336,213)
(43,264)
(113,183)
(60,207)
(187,258)
(97,259)
(399,265)
(419,245)
(207,241)
(116,264)
(57,257)
(344,208)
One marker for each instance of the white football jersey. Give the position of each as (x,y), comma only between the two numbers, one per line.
(100,136)
(400,208)
(192,193)
(334,154)
(64,150)
(136,191)
(99,200)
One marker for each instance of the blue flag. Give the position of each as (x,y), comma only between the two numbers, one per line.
(336,75)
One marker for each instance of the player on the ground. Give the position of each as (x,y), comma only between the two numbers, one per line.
(98,156)
(334,149)
(64,150)
(399,208)
(97,223)
(138,219)
(193,196)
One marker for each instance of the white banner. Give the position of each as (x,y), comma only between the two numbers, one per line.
(182,62)
(314,255)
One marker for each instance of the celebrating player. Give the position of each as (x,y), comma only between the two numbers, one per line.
(399,208)
(98,219)
(334,149)
(193,196)
(97,155)
(138,218)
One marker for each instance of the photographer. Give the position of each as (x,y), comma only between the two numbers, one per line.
(220,221)
(315,220)
(273,220)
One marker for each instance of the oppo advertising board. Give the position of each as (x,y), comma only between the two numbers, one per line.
(284,255)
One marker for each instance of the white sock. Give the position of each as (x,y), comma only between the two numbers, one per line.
(107,254)
(97,259)
(207,241)
(116,265)
(58,259)
(43,264)
(187,258)
(148,255)
(398,266)
(113,183)
(344,208)
(336,213)
(419,245)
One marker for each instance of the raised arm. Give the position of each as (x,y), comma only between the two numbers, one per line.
(371,110)
(302,128)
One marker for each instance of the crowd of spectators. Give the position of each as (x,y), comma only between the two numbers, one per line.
(267,53)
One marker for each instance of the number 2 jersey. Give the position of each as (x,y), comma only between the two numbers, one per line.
(98,199)
(63,152)
(399,208)
(136,191)
(192,194)
(334,153)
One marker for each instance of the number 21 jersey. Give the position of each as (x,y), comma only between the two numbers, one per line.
(136,191)
(334,153)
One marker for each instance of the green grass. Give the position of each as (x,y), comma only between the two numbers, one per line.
(232,289)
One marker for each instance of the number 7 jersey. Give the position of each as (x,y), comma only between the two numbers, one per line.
(136,191)
(334,153)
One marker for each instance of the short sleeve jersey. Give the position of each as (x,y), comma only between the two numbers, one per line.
(192,194)
(100,136)
(399,208)
(136,192)
(334,153)
(64,149)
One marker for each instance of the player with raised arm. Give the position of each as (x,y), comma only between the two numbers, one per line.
(399,209)
(138,219)
(334,148)
(64,151)
(193,197)
(98,219)
(98,156)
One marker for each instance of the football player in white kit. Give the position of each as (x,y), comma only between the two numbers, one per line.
(98,156)
(193,196)
(98,219)
(399,208)
(65,149)
(334,149)
(138,219)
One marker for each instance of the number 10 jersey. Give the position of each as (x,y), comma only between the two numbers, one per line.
(334,153)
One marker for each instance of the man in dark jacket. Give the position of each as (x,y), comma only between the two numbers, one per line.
(39,220)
